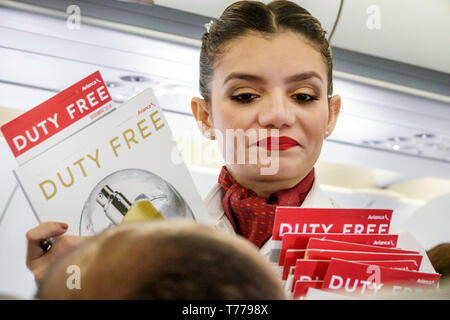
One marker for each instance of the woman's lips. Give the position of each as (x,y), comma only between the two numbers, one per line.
(284,143)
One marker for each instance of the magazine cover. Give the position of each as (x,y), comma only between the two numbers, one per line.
(300,240)
(326,220)
(318,254)
(292,255)
(320,220)
(93,166)
(326,244)
(356,278)
(308,270)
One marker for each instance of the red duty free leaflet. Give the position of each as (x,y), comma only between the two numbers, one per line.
(307,270)
(85,162)
(56,114)
(291,257)
(300,240)
(318,254)
(357,278)
(326,244)
(313,220)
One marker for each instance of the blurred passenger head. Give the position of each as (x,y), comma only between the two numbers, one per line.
(440,259)
(163,260)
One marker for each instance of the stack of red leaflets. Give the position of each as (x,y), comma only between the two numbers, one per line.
(347,251)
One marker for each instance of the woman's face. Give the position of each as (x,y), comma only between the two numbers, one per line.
(277,82)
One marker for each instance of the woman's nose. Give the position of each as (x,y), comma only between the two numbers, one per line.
(276,112)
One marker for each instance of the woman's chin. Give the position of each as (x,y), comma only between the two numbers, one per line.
(274,170)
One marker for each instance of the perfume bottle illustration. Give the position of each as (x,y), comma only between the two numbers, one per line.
(119,209)
(130,195)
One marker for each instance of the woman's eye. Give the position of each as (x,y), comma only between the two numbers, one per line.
(244,97)
(303,97)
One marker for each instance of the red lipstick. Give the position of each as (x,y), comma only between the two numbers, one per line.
(284,143)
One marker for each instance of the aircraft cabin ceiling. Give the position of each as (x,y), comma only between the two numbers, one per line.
(415,32)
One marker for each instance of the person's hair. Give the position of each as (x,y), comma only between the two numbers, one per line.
(243,17)
(168,261)
(440,259)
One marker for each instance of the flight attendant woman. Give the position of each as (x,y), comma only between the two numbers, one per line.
(265,69)
(268,68)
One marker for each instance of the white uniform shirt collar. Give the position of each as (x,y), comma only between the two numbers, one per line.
(316,198)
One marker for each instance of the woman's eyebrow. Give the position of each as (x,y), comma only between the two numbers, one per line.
(255,78)
(303,76)
(244,76)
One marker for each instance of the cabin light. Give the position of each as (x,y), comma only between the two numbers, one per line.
(372,142)
(134,78)
(424,135)
(119,97)
(398,139)
(113,84)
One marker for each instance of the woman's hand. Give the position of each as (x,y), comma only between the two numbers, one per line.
(37,260)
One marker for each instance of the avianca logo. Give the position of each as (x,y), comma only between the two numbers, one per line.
(373,217)
(423,281)
(383,243)
(90,84)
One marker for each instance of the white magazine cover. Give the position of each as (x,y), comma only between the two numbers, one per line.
(123,166)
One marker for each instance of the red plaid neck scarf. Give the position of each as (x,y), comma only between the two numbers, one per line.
(252,216)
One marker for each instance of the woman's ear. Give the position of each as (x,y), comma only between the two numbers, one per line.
(202,115)
(334,107)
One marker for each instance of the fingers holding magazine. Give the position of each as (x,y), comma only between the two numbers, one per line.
(41,251)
